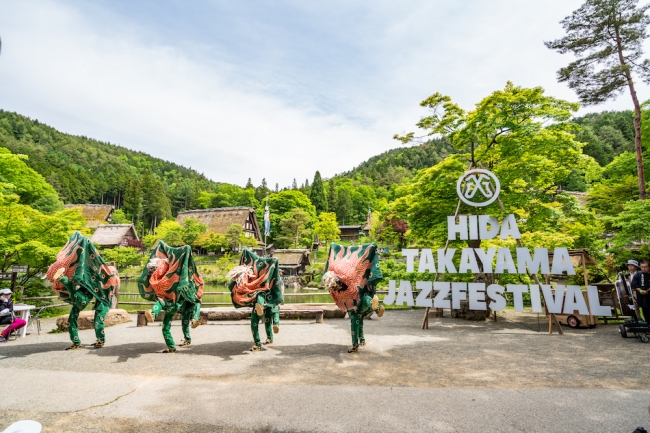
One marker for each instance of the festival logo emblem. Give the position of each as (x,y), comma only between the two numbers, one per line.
(478,187)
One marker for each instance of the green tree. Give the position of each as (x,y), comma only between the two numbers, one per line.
(192,230)
(119,217)
(30,237)
(518,133)
(608,34)
(133,198)
(122,256)
(326,228)
(632,223)
(234,234)
(294,228)
(156,205)
(171,233)
(332,198)
(261,191)
(29,185)
(212,242)
(343,205)
(317,194)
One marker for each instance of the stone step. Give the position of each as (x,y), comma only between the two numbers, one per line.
(87,317)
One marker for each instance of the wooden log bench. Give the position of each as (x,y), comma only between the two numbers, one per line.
(243,314)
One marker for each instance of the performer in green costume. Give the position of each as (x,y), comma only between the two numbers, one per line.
(173,282)
(351,275)
(256,283)
(79,276)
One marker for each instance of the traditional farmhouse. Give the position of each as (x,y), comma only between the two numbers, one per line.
(94,214)
(114,235)
(292,262)
(219,219)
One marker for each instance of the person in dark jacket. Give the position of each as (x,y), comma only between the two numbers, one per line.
(641,287)
(7,315)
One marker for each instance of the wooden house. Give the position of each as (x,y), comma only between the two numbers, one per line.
(94,214)
(114,235)
(292,262)
(219,220)
(353,233)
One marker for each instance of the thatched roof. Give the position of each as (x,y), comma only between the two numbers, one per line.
(294,257)
(219,220)
(112,235)
(577,257)
(94,214)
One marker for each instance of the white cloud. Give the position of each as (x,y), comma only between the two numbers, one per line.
(324,91)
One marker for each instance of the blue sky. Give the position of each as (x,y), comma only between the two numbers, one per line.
(268,89)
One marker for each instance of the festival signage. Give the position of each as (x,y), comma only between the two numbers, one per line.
(480,188)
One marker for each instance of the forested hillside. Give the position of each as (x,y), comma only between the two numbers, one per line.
(606,134)
(84,170)
(395,165)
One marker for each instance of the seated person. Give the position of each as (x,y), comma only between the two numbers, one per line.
(7,315)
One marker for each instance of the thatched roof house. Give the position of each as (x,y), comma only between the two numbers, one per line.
(114,235)
(219,219)
(94,214)
(292,262)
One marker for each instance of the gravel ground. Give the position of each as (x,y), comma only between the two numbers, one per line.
(456,376)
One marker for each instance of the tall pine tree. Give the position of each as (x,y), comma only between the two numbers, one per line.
(332,199)
(317,194)
(608,34)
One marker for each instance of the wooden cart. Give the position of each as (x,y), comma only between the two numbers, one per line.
(579,258)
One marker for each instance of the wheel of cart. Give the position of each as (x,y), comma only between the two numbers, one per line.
(572,321)
(622,330)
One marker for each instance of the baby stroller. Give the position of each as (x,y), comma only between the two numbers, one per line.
(627,300)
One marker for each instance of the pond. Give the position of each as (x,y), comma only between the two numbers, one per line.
(130,298)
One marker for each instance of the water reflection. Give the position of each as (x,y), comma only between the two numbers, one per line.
(129,293)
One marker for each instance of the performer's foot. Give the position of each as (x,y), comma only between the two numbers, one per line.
(268,341)
(259,310)
(149,316)
(168,350)
(276,329)
(255,348)
(362,343)
(186,343)
(381,311)
(375,303)
(353,349)
(98,344)
(74,347)
(195,323)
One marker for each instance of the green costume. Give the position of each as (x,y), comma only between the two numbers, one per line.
(175,286)
(86,277)
(256,283)
(351,275)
